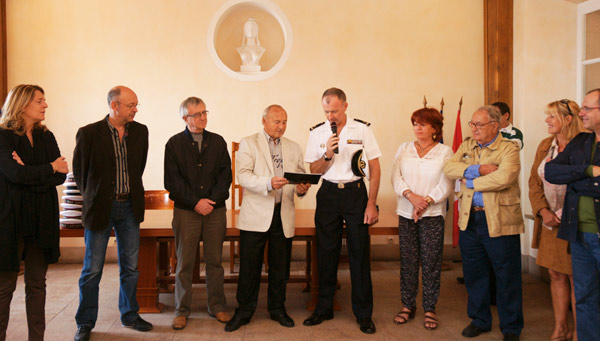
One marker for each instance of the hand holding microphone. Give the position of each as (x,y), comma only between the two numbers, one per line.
(335,142)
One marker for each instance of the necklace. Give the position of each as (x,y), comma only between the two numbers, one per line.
(422,149)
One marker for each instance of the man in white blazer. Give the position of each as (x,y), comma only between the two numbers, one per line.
(267,214)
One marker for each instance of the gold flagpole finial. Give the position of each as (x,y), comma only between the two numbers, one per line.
(460,103)
(424,102)
(442,104)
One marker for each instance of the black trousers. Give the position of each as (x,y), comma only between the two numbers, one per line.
(334,207)
(252,248)
(35,291)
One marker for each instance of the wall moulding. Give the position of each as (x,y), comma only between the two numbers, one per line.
(226,31)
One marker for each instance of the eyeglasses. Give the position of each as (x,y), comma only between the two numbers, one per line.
(588,109)
(199,114)
(566,103)
(131,105)
(478,125)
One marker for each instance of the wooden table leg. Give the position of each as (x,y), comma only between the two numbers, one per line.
(147,288)
(307,269)
(314,278)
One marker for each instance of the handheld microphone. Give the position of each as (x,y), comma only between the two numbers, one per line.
(334,130)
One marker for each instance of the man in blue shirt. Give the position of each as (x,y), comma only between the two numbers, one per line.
(490,221)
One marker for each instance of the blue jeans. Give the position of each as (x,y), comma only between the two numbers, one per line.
(479,251)
(127,231)
(585,258)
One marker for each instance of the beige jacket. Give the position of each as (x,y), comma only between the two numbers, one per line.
(254,169)
(537,198)
(500,189)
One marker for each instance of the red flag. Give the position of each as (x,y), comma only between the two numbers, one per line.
(455,144)
(457,133)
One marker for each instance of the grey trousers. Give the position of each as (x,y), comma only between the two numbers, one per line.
(35,291)
(190,228)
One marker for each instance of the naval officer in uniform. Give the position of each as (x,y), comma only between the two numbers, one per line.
(341,198)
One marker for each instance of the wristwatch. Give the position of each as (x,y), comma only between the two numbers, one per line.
(327,158)
(429,200)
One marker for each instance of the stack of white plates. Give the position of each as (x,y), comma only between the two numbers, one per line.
(72,200)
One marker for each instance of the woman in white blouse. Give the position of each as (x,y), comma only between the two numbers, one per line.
(422,189)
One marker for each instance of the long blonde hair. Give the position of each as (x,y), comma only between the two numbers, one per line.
(561,109)
(18,98)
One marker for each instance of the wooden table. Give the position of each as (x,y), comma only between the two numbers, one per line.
(157,224)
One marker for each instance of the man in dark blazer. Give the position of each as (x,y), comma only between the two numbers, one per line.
(108,163)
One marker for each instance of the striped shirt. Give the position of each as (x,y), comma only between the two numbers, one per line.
(276,157)
(120,148)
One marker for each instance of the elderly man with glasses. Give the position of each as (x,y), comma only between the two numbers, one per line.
(198,176)
(578,167)
(490,222)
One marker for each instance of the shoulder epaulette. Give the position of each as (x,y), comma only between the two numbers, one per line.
(317,126)
(363,122)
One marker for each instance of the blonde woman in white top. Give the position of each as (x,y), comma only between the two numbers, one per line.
(422,189)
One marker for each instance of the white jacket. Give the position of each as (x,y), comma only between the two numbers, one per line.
(254,169)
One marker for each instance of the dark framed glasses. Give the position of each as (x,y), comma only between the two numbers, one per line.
(566,103)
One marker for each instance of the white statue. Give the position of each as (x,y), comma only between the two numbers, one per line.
(250,51)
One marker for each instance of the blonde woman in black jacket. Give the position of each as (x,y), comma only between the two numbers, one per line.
(30,169)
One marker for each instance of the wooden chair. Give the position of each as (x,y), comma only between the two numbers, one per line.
(158,200)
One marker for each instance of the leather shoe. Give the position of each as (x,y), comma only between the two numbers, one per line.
(138,324)
(83,333)
(472,330)
(235,323)
(511,337)
(366,325)
(179,322)
(317,318)
(221,316)
(283,318)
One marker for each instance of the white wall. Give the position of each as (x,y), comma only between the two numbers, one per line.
(544,71)
(386,54)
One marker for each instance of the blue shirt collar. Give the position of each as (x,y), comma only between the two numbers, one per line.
(487,144)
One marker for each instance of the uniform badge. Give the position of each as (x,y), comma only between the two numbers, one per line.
(354,141)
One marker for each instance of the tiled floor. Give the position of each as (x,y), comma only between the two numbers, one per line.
(62,301)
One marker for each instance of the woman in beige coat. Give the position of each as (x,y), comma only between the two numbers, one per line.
(547,200)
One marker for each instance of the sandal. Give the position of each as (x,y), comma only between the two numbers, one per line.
(430,322)
(404,315)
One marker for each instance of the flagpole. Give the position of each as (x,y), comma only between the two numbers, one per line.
(455,144)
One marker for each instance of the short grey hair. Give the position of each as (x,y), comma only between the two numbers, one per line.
(272,106)
(493,113)
(183,108)
(113,94)
(339,93)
